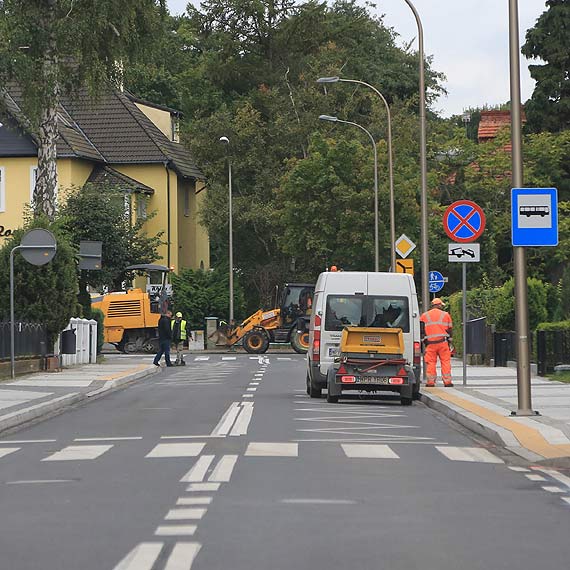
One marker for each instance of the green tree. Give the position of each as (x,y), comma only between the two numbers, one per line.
(45,294)
(52,46)
(549,41)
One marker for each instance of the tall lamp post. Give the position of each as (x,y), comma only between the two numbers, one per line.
(423,162)
(226,141)
(376,244)
(521,293)
(390,160)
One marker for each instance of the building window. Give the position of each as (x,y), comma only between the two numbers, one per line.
(33,181)
(141,206)
(187,202)
(127,205)
(175,125)
(2,189)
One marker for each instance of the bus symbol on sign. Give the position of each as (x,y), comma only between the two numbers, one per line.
(529,211)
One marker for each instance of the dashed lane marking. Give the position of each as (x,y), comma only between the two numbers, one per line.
(251,389)
(176,450)
(199,470)
(16,441)
(176,530)
(183,555)
(269,449)
(554,489)
(472,454)
(78,453)
(185,514)
(202,358)
(223,471)
(203,487)
(39,481)
(141,557)
(185,501)
(535,477)
(7,450)
(318,502)
(370,451)
(247,395)
(107,438)
(520,469)
(229,357)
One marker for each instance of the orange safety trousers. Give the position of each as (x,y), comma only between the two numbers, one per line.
(432,352)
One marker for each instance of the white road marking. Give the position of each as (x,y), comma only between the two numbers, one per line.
(225,424)
(107,438)
(176,530)
(229,357)
(201,358)
(267,449)
(203,487)
(223,470)
(369,451)
(190,436)
(566,499)
(185,514)
(251,389)
(78,453)
(258,374)
(183,555)
(254,357)
(318,502)
(242,422)
(16,441)
(472,454)
(7,450)
(141,557)
(176,450)
(555,489)
(185,501)
(520,469)
(247,396)
(564,479)
(38,481)
(198,471)
(535,477)
(254,383)
(284,358)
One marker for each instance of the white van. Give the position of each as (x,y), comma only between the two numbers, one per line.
(354,298)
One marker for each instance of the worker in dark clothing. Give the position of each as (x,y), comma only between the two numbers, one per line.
(164,338)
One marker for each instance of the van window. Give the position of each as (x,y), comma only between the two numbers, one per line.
(367,311)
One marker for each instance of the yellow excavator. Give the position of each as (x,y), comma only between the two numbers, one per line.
(286,324)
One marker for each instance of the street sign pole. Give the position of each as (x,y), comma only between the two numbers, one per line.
(464,310)
(521,292)
(12,323)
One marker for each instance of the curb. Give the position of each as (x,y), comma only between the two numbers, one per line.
(27,415)
(480,426)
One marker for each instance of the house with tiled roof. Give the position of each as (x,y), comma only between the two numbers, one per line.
(492,122)
(118,140)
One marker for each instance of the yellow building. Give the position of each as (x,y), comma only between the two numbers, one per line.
(118,140)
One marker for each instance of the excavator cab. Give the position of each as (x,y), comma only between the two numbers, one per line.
(296,302)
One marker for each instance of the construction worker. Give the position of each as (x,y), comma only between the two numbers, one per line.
(179,336)
(437,328)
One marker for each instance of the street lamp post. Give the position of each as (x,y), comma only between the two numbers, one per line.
(521,293)
(226,141)
(423,162)
(376,244)
(390,160)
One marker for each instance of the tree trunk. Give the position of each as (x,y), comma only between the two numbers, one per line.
(45,192)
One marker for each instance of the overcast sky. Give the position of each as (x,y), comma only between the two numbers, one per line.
(468,40)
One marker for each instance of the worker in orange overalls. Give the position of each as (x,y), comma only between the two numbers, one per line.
(437,328)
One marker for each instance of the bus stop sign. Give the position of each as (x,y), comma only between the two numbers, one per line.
(534,217)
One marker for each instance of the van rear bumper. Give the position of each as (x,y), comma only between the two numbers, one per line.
(319,380)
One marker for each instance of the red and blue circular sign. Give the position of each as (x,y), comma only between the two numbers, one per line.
(464,221)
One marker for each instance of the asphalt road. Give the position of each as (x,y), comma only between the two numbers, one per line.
(227,464)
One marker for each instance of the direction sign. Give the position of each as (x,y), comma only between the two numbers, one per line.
(405,266)
(534,217)
(464,221)
(468,253)
(404,246)
(436,281)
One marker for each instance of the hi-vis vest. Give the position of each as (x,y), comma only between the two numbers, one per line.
(437,323)
(182,329)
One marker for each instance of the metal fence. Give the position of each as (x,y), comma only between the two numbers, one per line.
(30,339)
(552,349)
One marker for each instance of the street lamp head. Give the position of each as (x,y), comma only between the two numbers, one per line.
(328,79)
(328,118)
(225,140)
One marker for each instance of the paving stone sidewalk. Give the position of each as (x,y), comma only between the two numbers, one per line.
(485,404)
(32,396)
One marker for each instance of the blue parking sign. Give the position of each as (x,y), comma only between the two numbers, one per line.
(534,217)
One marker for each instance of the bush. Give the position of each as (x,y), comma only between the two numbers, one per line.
(99,316)
(555,326)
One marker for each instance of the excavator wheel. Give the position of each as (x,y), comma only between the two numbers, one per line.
(256,342)
(300,341)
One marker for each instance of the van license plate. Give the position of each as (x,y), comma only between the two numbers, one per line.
(372,380)
(333,351)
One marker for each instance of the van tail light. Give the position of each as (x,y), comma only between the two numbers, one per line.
(316,346)
(417,353)
(396,381)
(348,379)
(318,321)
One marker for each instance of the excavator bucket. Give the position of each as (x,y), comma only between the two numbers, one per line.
(221,336)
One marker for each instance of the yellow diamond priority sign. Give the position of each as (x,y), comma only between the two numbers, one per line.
(404,246)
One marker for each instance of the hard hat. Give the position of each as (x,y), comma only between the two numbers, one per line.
(438,301)
(179,314)
(334,268)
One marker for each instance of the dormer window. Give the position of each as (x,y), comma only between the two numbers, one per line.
(175,123)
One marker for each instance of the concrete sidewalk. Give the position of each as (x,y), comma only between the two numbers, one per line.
(33,396)
(485,404)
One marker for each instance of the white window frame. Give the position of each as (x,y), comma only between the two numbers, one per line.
(141,206)
(33,181)
(2,188)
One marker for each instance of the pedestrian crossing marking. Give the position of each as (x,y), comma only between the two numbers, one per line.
(141,557)
(176,530)
(472,454)
(535,477)
(229,357)
(369,451)
(182,556)
(202,358)
(7,450)
(176,450)
(185,501)
(78,453)
(269,449)
(185,514)
(552,489)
